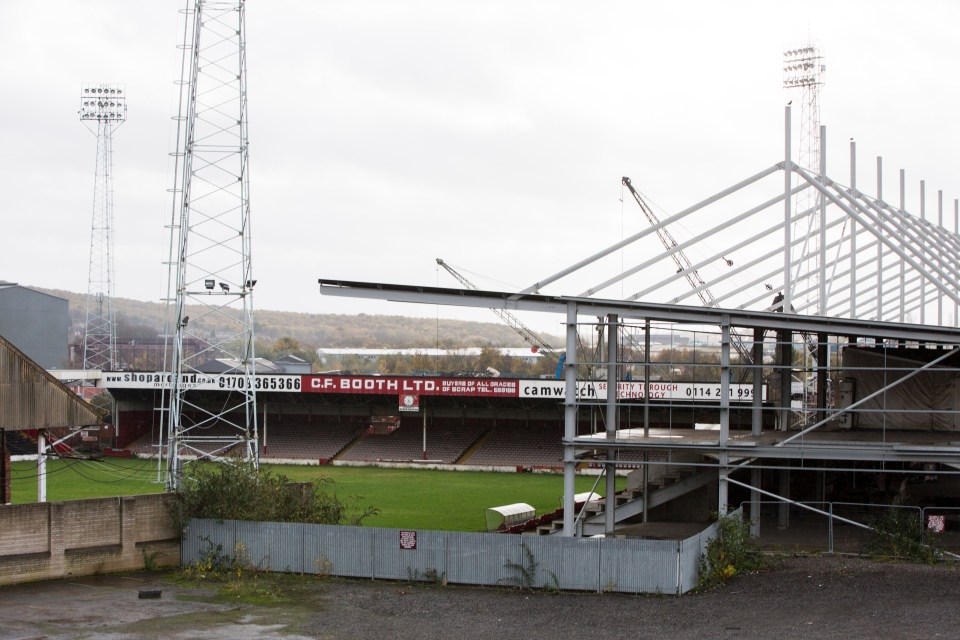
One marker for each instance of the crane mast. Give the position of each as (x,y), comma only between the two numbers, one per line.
(511,320)
(684,266)
(683,263)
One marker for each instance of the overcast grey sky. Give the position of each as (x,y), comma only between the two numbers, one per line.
(491,134)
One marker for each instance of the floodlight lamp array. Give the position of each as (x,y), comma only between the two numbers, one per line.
(804,81)
(103,102)
(801,67)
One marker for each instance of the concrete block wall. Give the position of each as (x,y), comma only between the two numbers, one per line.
(85,537)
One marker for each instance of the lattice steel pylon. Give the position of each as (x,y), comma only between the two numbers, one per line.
(104,106)
(210,281)
(803,69)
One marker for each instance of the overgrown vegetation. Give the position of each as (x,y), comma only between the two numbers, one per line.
(239,491)
(731,552)
(237,579)
(900,534)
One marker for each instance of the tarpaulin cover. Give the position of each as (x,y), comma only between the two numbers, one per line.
(925,402)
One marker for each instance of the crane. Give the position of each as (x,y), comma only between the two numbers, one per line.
(511,320)
(685,267)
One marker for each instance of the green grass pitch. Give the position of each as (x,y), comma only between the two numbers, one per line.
(406,498)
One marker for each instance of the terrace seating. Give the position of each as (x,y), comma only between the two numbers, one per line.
(529,445)
(146,444)
(300,441)
(445,443)
(220,434)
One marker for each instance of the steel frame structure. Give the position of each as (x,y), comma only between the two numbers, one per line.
(878,261)
(103,108)
(733,450)
(885,267)
(210,281)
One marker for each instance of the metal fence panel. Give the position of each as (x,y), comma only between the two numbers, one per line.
(480,558)
(566,563)
(341,551)
(411,554)
(315,558)
(407,554)
(274,546)
(202,537)
(690,551)
(693,549)
(587,564)
(639,566)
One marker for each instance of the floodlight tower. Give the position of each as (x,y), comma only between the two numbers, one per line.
(210,275)
(103,108)
(803,69)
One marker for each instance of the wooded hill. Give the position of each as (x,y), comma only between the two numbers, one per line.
(143,321)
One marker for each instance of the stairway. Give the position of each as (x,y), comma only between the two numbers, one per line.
(673,482)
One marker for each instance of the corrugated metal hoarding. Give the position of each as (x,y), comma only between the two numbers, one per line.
(582,564)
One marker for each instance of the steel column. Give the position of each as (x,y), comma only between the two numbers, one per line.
(613,420)
(570,421)
(787,212)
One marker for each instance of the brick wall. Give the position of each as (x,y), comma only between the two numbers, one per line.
(83,537)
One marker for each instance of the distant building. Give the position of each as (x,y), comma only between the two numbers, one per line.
(526,354)
(288,364)
(292,364)
(38,324)
(230,365)
(149,355)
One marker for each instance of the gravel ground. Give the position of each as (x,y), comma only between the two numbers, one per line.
(800,597)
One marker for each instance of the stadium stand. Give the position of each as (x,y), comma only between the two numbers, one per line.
(299,437)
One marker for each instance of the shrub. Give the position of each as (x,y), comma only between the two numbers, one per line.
(240,491)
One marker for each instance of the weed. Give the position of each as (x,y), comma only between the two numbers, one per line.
(238,578)
(899,533)
(323,566)
(149,559)
(732,551)
(215,564)
(526,573)
(430,575)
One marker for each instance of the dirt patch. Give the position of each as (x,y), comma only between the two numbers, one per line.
(801,597)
